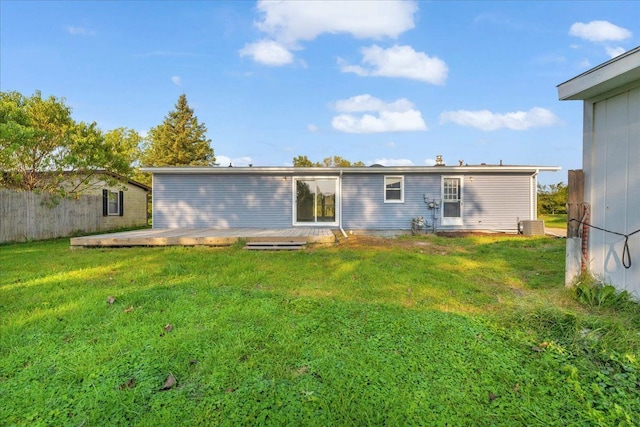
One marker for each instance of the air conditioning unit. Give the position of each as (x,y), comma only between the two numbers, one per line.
(533,227)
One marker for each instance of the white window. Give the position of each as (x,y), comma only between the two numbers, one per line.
(394,189)
(114,203)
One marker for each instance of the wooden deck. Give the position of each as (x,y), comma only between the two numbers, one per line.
(204,237)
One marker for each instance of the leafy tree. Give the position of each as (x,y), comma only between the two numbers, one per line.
(127,144)
(328,162)
(552,199)
(304,162)
(339,162)
(42,148)
(179,141)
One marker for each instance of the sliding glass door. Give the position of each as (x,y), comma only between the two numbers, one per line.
(315,201)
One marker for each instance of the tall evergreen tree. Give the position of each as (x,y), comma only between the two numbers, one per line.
(179,141)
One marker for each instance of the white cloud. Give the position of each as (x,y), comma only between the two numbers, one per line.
(486,120)
(615,51)
(393,162)
(267,52)
(367,102)
(80,31)
(312,128)
(291,21)
(399,61)
(599,31)
(286,23)
(176,80)
(386,121)
(396,116)
(224,161)
(429,162)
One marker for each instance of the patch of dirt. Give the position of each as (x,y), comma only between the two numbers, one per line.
(474,234)
(426,240)
(425,243)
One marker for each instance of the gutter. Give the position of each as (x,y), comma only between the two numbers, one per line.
(340,217)
(287,170)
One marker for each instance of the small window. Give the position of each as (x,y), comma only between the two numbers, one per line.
(394,189)
(114,203)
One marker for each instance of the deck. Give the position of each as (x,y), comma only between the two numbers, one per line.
(204,237)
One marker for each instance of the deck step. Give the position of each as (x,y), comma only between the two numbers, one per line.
(274,246)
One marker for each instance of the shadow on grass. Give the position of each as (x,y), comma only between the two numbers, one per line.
(417,334)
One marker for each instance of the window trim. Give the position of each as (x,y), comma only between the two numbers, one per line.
(453,220)
(401,190)
(107,202)
(111,195)
(337,207)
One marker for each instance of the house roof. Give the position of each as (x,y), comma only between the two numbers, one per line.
(388,170)
(119,178)
(130,181)
(616,73)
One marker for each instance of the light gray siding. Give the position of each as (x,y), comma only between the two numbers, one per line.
(221,201)
(498,201)
(363,205)
(490,201)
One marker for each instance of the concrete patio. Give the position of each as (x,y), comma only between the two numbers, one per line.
(204,237)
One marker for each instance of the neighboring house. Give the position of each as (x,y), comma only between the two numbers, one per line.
(482,197)
(124,204)
(611,166)
(27,215)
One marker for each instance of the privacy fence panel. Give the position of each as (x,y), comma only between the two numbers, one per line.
(27,216)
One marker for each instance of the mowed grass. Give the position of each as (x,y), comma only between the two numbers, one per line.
(554,220)
(413,331)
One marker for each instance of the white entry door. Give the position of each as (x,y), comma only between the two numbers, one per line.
(452,200)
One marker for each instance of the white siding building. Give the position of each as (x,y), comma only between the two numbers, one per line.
(611,165)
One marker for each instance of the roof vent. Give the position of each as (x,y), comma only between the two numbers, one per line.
(439,161)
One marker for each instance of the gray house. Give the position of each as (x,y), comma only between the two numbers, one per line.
(611,164)
(455,198)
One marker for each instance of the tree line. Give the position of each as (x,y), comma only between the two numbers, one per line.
(42,148)
(552,198)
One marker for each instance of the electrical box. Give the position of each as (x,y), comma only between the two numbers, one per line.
(533,228)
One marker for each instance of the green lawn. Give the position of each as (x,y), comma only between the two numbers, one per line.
(413,331)
(554,220)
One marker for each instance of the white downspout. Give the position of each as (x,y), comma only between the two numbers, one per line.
(533,196)
(340,216)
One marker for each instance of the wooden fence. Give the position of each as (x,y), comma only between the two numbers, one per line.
(29,216)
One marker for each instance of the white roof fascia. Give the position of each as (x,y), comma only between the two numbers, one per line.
(349,170)
(617,72)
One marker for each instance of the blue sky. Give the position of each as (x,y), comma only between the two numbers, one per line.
(387,82)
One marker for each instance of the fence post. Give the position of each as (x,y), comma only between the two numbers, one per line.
(575,206)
